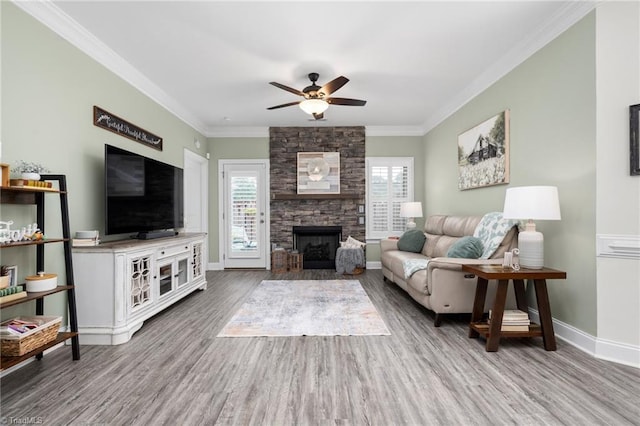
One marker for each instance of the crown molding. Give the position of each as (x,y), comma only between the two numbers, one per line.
(394,131)
(238,132)
(59,22)
(263,132)
(570,14)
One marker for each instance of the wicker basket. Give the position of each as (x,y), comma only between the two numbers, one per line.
(295,262)
(18,345)
(279,261)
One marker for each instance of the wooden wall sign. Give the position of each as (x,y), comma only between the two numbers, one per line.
(115,124)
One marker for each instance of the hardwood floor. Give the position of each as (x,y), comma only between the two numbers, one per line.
(175,371)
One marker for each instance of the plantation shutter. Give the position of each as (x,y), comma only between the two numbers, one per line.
(389,184)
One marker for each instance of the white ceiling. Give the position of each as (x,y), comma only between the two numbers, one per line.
(210,62)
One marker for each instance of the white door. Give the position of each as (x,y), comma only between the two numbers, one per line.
(244,213)
(196,195)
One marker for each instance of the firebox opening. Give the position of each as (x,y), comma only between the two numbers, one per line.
(318,245)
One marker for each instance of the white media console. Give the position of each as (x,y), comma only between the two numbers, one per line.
(126,282)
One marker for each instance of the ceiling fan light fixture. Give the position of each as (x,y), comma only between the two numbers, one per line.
(314,106)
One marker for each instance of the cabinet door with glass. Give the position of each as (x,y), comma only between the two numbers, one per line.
(173,273)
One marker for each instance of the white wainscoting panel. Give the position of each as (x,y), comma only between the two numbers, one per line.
(622,246)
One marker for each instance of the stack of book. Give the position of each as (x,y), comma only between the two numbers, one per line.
(12,293)
(514,320)
(28,183)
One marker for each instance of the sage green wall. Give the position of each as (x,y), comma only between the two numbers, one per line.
(228,149)
(49,88)
(552,140)
(258,148)
(399,146)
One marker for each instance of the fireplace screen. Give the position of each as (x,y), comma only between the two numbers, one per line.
(318,244)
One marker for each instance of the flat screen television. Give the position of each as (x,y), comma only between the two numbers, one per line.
(142,195)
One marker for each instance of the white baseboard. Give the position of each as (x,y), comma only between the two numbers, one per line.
(374,265)
(620,353)
(214,266)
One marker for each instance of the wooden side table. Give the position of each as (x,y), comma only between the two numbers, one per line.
(492,332)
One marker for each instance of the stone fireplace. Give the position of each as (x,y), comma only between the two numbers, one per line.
(318,245)
(290,209)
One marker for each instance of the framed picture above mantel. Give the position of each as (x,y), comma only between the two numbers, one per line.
(318,173)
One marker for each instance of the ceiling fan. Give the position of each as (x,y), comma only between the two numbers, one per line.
(316,99)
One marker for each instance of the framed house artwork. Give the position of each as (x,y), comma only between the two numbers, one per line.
(483,153)
(318,173)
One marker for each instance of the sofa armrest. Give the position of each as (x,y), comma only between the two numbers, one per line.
(455,264)
(388,244)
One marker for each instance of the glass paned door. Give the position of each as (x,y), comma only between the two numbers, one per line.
(244,215)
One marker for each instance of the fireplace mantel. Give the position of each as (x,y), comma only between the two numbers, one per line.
(343,196)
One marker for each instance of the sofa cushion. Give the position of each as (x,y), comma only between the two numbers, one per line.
(467,248)
(443,231)
(394,261)
(412,241)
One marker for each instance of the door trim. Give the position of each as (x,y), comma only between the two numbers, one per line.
(267,207)
(190,156)
(204,179)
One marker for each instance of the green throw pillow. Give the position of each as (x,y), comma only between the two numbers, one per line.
(467,248)
(412,240)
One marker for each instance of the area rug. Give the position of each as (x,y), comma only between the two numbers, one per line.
(306,308)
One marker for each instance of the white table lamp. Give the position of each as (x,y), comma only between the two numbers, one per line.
(531,203)
(411,210)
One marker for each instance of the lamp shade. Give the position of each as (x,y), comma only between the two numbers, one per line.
(314,106)
(411,209)
(532,202)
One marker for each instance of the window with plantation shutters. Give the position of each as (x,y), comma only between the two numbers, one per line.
(389,184)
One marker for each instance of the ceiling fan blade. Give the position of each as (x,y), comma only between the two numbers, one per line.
(345,101)
(318,116)
(287,88)
(333,85)
(285,105)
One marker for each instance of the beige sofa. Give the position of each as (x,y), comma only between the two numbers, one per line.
(442,287)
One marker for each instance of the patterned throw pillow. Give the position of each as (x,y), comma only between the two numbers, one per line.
(412,240)
(466,248)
